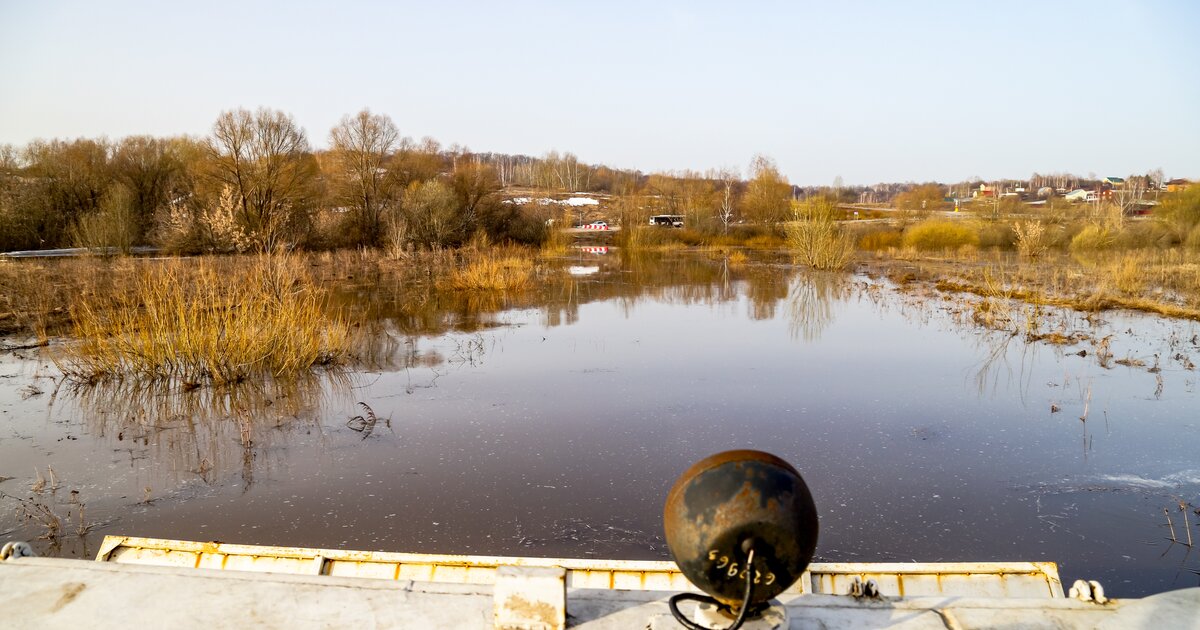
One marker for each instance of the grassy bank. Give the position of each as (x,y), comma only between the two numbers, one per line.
(1161,282)
(1091,258)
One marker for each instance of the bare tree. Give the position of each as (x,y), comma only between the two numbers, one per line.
(416,162)
(10,159)
(431,214)
(68,181)
(474,184)
(728,178)
(151,171)
(1156,180)
(263,156)
(564,172)
(361,146)
(768,195)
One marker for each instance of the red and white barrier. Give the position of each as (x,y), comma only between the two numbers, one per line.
(593,227)
(594,250)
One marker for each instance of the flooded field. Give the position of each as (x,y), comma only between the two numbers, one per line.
(554,422)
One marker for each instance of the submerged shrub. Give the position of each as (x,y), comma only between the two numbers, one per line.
(199,321)
(937,234)
(492,273)
(816,238)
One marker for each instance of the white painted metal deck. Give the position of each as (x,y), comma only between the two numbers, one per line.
(960,579)
(57,593)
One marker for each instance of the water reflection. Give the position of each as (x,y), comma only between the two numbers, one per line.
(810,302)
(208,434)
(628,279)
(170,437)
(213,434)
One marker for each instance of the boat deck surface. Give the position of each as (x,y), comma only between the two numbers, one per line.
(180,584)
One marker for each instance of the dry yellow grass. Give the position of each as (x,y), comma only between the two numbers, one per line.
(1162,282)
(1032,238)
(491,273)
(35,295)
(199,321)
(879,240)
(938,234)
(1127,275)
(815,236)
(764,241)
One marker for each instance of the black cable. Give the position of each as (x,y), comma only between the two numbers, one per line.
(673,603)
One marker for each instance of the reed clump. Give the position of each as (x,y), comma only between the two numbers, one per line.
(816,238)
(1128,275)
(1032,239)
(207,321)
(491,272)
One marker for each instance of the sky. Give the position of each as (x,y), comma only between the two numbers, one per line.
(866,91)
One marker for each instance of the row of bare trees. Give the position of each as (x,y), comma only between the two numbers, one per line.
(255,183)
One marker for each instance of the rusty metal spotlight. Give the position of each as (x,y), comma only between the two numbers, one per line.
(742,527)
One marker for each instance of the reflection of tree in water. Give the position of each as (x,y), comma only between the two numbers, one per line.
(994,362)
(631,278)
(766,287)
(565,309)
(208,433)
(416,306)
(810,299)
(409,309)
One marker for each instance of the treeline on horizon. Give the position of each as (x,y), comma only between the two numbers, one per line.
(255,183)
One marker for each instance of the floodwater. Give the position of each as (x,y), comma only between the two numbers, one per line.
(554,425)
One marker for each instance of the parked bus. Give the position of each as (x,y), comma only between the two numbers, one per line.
(667,220)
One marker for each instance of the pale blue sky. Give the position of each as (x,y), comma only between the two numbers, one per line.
(871,91)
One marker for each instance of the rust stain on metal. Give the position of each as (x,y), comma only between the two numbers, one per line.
(70,591)
(535,612)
